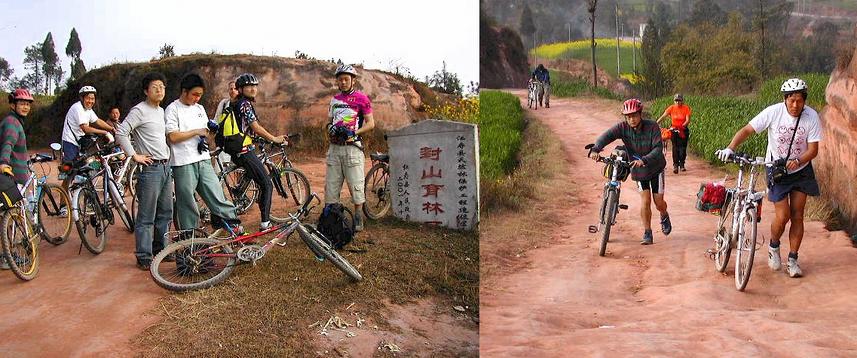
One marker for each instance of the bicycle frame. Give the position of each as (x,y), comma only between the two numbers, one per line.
(747,199)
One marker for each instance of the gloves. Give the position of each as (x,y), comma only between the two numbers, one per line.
(6,169)
(202,147)
(109,137)
(724,154)
(212,126)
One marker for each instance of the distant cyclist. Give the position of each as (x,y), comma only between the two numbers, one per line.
(642,139)
(789,194)
(542,75)
(680,115)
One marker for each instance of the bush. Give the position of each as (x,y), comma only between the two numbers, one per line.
(564,86)
(817,83)
(501,121)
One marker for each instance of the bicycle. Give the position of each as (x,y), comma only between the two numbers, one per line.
(25,224)
(203,261)
(290,184)
(743,205)
(88,209)
(534,89)
(616,170)
(378,199)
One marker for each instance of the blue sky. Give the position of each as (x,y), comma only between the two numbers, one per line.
(419,35)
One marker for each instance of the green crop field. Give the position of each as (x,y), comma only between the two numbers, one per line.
(605,53)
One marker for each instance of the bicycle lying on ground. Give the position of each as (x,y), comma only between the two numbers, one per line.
(203,261)
(25,224)
(739,218)
(378,199)
(616,170)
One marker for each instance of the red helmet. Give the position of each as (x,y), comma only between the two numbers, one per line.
(632,105)
(20,94)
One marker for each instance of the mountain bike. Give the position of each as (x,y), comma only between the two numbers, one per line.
(534,88)
(616,170)
(378,199)
(28,222)
(202,261)
(739,218)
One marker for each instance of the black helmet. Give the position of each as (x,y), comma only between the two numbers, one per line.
(246,79)
(541,66)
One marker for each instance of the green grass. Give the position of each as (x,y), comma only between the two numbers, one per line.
(716,119)
(605,53)
(501,121)
(566,86)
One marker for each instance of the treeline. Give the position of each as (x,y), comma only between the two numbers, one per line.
(44,73)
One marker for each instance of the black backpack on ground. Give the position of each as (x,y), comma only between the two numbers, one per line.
(336,223)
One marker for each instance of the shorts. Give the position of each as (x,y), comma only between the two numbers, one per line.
(70,151)
(655,184)
(802,181)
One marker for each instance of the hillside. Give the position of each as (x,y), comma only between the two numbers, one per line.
(502,58)
(293,93)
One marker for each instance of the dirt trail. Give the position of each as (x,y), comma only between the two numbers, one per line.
(665,299)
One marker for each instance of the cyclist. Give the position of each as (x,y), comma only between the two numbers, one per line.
(247,85)
(187,132)
(642,139)
(145,123)
(221,107)
(542,75)
(13,143)
(350,116)
(680,115)
(789,195)
(81,120)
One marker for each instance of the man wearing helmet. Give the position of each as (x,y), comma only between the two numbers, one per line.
(81,120)
(680,115)
(794,130)
(247,85)
(350,116)
(642,139)
(13,143)
(542,75)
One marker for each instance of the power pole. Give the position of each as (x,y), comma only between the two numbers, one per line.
(617,40)
(634,49)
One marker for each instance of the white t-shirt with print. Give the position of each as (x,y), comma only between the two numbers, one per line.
(182,118)
(76,116)
(780,125)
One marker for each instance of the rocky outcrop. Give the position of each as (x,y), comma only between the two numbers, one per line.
(291,90)
(502,58)
(836,165)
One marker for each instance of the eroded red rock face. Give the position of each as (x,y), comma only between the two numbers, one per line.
(837,159)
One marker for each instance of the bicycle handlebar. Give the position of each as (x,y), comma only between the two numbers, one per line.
(744,158)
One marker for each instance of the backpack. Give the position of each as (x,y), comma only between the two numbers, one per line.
(9,192)
(229,136)
(335,223)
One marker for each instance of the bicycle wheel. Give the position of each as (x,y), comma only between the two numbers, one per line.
(53,215)
(378,201)
(20,250)
(130,179)
(241,189)
(289,182)
(723,238)
(746,249)
(199,263)
(609,213)
(91,223)
(320,247)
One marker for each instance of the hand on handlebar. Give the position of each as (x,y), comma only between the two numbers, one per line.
(6,169)
(109,137)
(724,154)
(595,156)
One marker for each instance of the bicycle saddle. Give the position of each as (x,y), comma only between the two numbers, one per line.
(380,156)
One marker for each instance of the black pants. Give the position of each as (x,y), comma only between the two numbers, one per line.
(680,148)
(254,168)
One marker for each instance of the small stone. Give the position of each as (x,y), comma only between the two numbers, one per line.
(458,308)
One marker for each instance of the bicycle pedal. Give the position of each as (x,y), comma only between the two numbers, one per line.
(280,242)
(593,229)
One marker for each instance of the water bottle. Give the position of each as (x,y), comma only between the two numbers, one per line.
(31,202)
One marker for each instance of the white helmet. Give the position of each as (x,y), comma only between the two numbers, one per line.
(792,85)
(345,69)
(86,89)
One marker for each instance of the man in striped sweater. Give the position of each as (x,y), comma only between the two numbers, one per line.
(13,142)
(642,140)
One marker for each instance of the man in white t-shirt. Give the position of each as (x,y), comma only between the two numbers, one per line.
(794,125)
(187,131)
(81,120)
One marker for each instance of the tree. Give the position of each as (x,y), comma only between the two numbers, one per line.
(6,72)
(73,50)
(33,63)
(592,5)
(662,18)
(706,11)
(445,82)
(51,66)
(167,50)
(654,83)
(528,26)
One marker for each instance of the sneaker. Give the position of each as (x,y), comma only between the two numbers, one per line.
(647,238)
(683,168)
(265,225)
(358,223)
(144,264)
(794,269)
(774,261)
(3,264)
(170,258)
(675,170)
(666,225)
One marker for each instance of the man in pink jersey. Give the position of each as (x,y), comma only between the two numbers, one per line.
(350,116)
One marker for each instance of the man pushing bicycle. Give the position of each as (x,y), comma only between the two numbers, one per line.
(642,139)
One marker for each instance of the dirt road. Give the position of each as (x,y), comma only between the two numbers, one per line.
(665,299)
